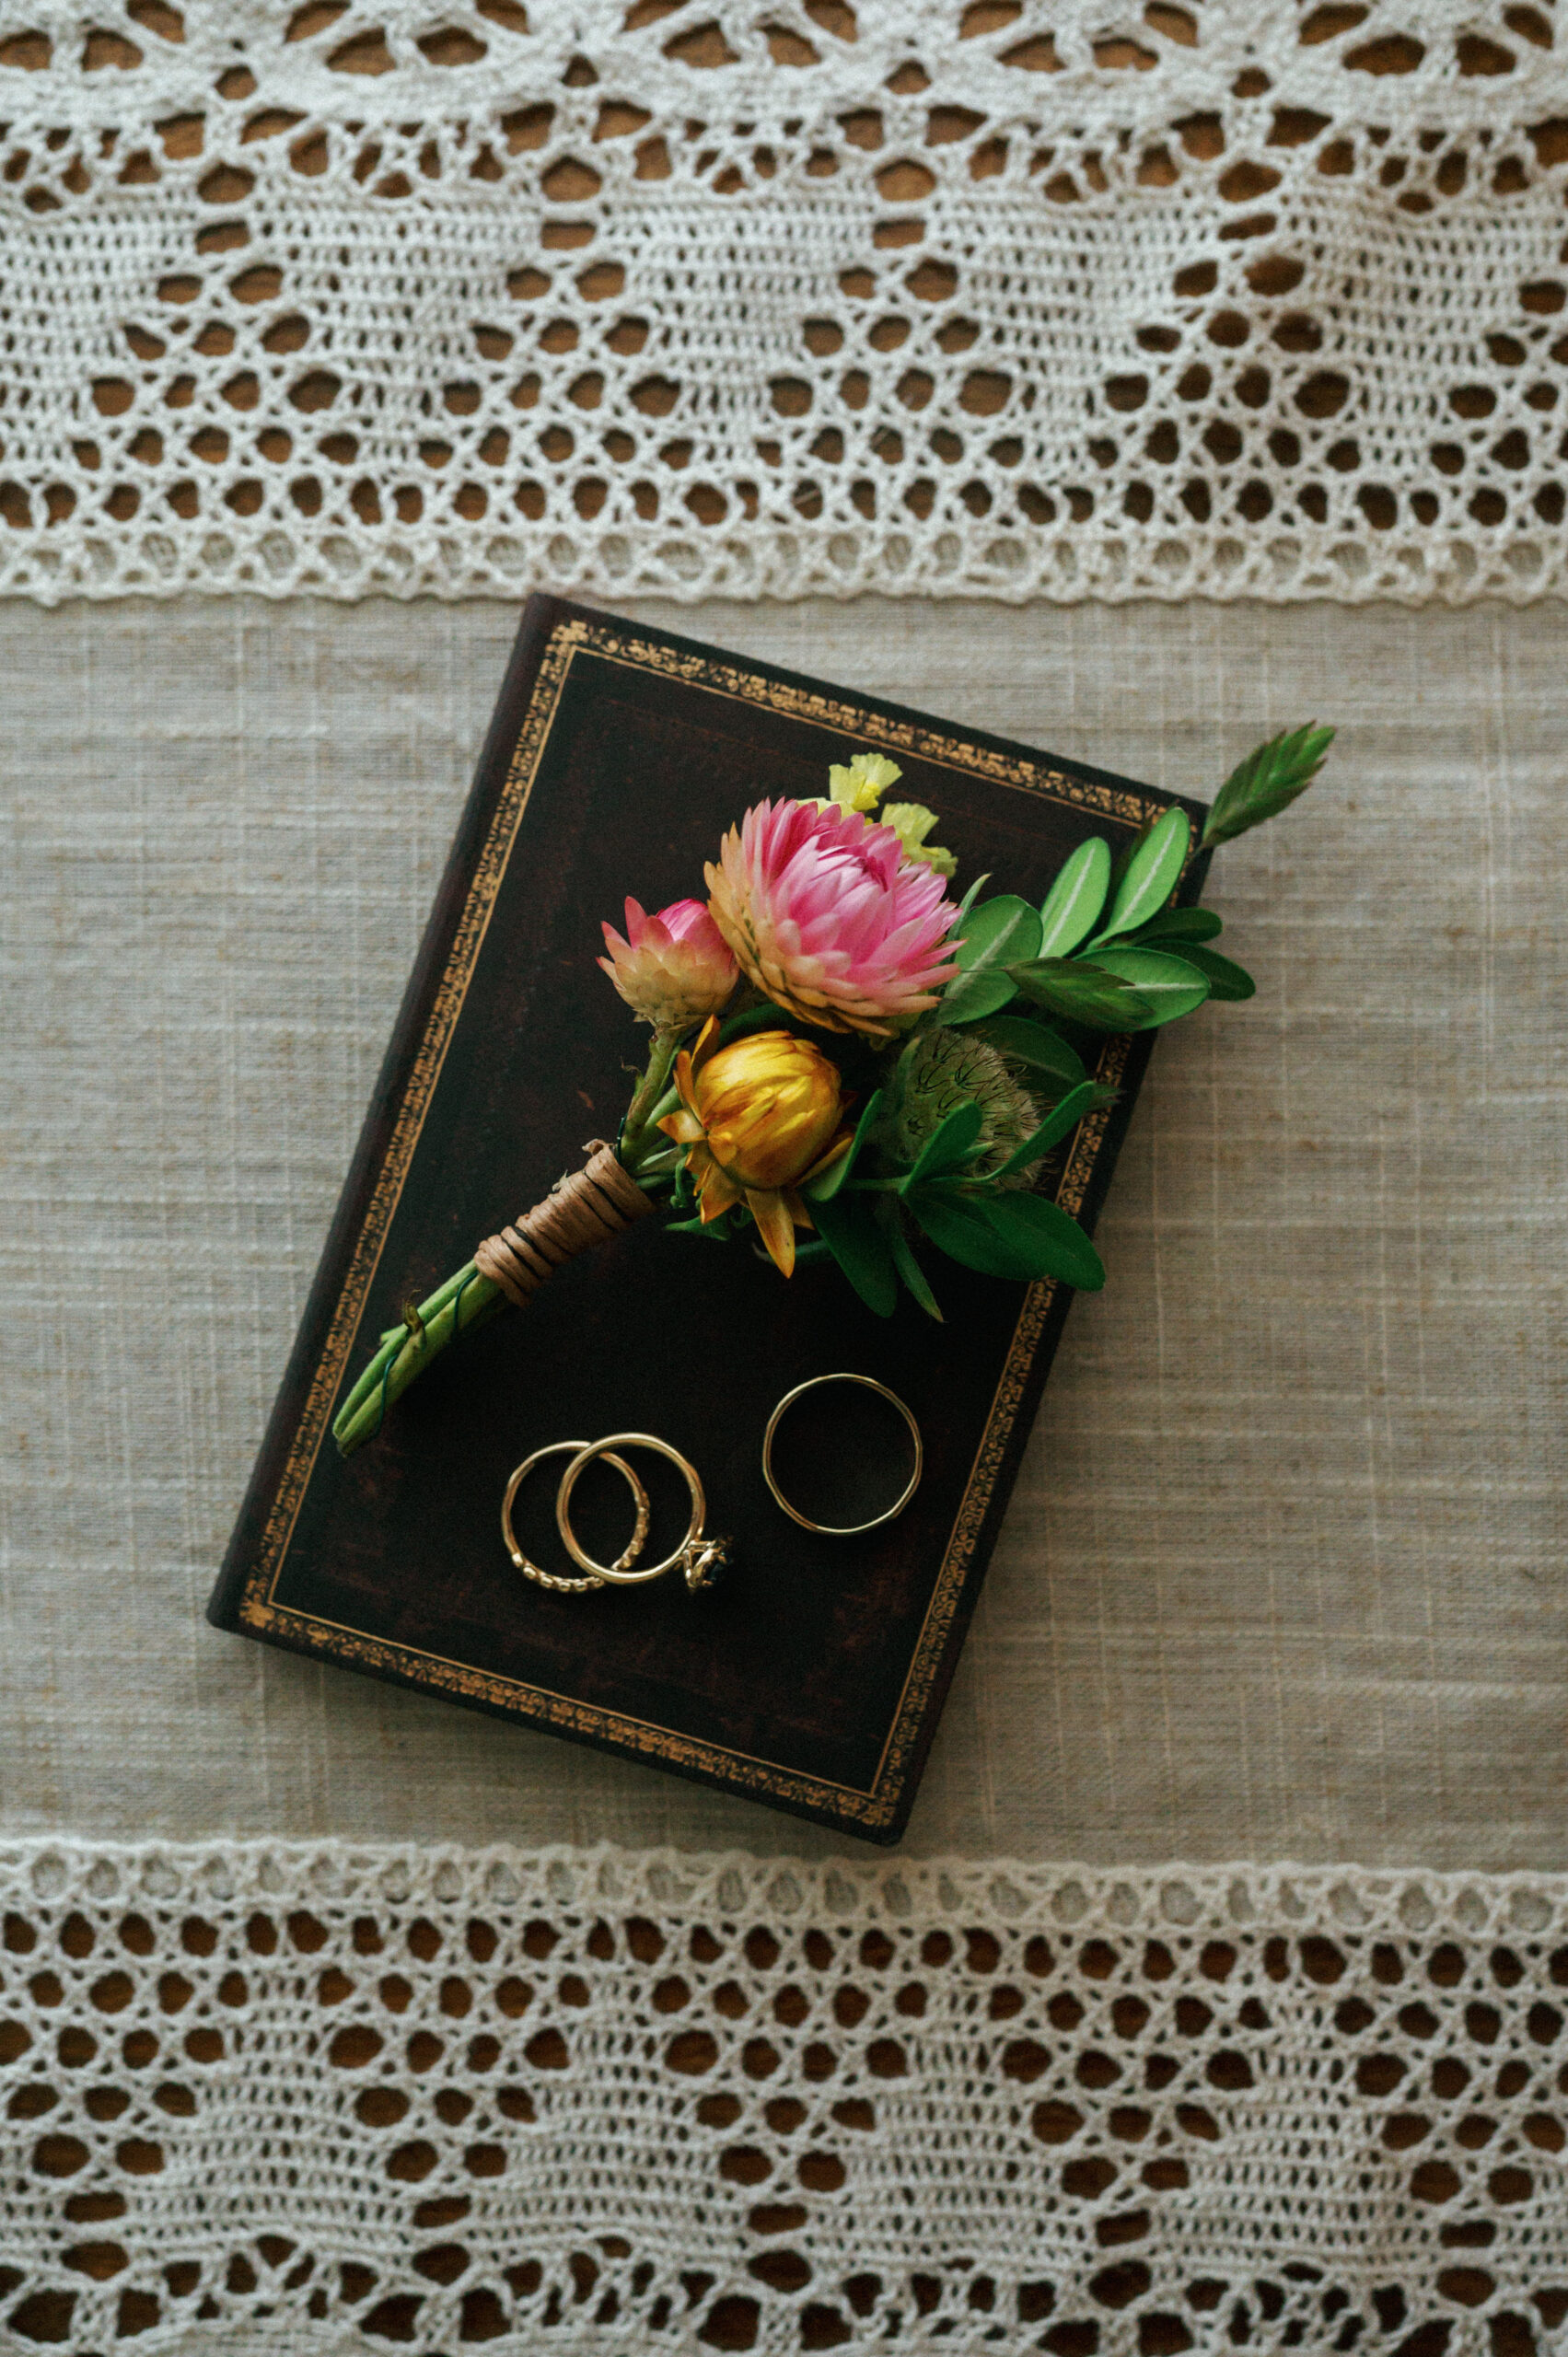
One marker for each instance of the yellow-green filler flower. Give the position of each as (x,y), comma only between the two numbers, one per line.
(860,784)
(912,822)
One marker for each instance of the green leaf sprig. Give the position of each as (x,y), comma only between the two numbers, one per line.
(978,1220)
(1107,950)
(1267,782)
(1132,975)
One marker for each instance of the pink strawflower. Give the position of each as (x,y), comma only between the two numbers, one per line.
(672,968)
(829,919)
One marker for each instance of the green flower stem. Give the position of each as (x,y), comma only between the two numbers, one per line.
(467,1299)
(647,1104)
(463,1301)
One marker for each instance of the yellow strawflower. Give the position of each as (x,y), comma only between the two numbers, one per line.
(757,1118)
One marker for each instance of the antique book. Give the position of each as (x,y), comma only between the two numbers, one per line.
(813,1679)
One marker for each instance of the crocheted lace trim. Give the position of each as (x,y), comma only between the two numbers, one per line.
(1020,297)
(597,2101)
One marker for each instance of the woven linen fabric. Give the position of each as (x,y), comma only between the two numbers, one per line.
(1022,297)
(1282,1571)
(589,2101)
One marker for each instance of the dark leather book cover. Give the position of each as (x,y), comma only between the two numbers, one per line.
(813,1679)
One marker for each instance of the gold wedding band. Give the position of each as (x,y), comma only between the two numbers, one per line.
(841,1529)
(699,1557)
(598,1574)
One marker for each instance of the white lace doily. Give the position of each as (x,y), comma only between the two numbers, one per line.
(1024,297)
(597,2101)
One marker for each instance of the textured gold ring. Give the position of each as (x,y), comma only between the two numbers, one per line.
(699,1557)
(597,1575)
(842,1529)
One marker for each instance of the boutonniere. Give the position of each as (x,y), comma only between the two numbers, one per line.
(849,1064)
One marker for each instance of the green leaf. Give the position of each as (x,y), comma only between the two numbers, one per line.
(1267,782)
(1072,907)
(996,934)
(1129,851)
(1018,1236)
(997,931)
(1032,1044)
(1168,986)
(1082,993)
(1227,979)
(958,1227)
(911,1272)
(1056,1124)
(822,1190)
(1151,876)
(1182,924)
(968,997)
(1041,1230)
(848,1226)
(970,897)
(715,1230)
(947,1146)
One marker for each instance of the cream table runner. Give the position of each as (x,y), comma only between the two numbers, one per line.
(1283,1576)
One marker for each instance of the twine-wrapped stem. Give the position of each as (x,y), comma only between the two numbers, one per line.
(583,1208)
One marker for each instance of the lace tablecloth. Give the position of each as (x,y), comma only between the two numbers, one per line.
(1038,301)
(1028,297)
(602,2101)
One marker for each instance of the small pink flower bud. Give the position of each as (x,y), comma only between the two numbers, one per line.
(673,969)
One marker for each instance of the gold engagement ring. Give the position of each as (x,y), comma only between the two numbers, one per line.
(701,1558)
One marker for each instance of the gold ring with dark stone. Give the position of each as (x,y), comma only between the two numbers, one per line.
(699,1557)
